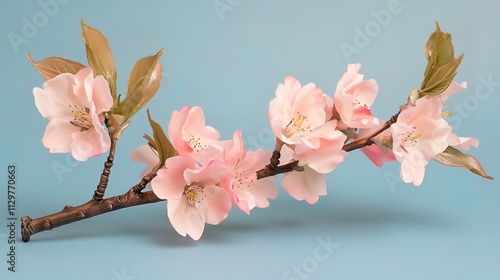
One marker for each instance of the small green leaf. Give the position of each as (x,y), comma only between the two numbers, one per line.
(163,145)
(99,57)
(143,83)
(455,158)
(53,66)
(442,65)
(442,78)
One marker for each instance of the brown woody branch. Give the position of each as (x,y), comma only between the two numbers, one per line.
(90,209)
(368,140)
(97,205)
(103,182)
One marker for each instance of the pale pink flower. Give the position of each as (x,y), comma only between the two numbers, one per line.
(248,191)
(353,98)
(195,195)
(419,134)
(298,115)
(189,134)
(74,106)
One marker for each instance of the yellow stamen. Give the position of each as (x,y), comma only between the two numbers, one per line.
(412,138)
(81,117)
(296,125)
(193,193)
(446,114)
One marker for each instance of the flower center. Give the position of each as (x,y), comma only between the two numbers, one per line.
(410,139)
(196,143)
(194,193)
(241,181)
(297,125)
(356,103)
(81,117)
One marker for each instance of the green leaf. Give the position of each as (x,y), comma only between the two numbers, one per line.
(441,78)
(442,65)
(100,58)
(163,145)
(143,83)
(455,158)
(53,66)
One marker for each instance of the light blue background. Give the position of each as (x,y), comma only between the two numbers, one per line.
(449,228)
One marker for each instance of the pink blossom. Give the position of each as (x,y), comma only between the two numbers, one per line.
(195,195)
(419,134)
(74,106)
(353,98)
(249,192)
(190,135)
(300,117)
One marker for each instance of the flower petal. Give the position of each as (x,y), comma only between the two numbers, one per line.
(413,169)
(463,143)
(169,182)
(57,136)
(216,205)
(145,154)
(211,174)
(54,99)
(90,143)
(185,218)
(453,88)
(307,185)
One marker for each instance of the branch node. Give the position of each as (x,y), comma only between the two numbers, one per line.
(26,228)
(67,207)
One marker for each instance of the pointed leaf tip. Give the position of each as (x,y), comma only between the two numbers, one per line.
(455,158)
(99,57)
(144,81)
(442,65)
(53,66)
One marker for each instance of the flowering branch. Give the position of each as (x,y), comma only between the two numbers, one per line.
(203,177)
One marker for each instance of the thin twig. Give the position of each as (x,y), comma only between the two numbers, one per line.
(368,140)
(103,182)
